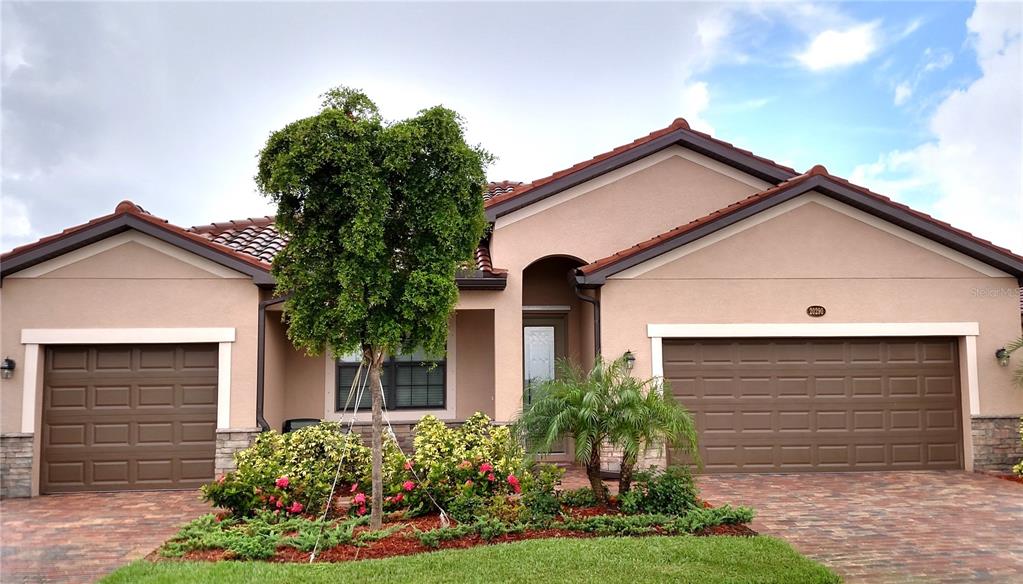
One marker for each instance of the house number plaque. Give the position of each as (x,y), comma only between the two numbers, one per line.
(815,311)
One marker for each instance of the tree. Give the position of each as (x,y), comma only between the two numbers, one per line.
(647,416)
(378,218)
(604,405)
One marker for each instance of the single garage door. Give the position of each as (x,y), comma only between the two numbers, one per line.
(770,405)
(120,417)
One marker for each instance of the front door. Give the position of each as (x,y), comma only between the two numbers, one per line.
(543,344)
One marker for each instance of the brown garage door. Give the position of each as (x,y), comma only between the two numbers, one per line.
(770,405)
(119,417)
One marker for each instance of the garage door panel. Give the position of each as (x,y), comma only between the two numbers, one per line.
(133,418)
(832,404)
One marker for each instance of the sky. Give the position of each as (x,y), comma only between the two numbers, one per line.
(168,104)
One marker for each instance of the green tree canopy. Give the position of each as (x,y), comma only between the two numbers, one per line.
(379,216)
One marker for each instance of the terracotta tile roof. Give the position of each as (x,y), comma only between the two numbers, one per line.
(677,124)
(495,188)
(129,208)
(257,237)
(788,185)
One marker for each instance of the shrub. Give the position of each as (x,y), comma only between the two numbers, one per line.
(540,500)
(581,497)
(1018,469)
(467,506)
(477,456)
(671,492)
(307,458)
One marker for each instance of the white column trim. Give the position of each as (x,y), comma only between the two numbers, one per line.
(224,386)
(30,380)
(972,378)
(656,361)
(852,329)
(93,336)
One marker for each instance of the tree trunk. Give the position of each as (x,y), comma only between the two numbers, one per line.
(376,517)
(625,477)
(593,472)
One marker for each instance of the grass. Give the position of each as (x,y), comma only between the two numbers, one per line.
(649,559)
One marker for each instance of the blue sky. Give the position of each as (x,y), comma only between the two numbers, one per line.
(168,104)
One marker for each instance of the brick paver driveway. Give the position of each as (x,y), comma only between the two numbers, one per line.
(82,537)
(889,527)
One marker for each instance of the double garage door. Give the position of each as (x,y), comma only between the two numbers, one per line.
(120,417)
(781,405)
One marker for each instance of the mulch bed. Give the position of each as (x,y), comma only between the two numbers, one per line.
(1013,478)
(403,543)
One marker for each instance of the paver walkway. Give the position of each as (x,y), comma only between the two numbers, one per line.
(889,527)
(83,537)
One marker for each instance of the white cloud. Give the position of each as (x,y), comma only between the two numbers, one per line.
(936,60)
(15,226)
(838,48)
(903,92)
(969,172)
(695,101)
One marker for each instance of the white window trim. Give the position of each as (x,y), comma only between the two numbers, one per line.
(33,339)
(396,416)
(968,331)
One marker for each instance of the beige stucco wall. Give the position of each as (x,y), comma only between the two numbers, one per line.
(817,255)
(591,221)
(131,286)
(475,362)
(275,392)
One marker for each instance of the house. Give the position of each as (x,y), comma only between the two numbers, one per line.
(809,324)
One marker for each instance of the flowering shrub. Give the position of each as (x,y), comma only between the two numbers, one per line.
(473,463)
(290,472)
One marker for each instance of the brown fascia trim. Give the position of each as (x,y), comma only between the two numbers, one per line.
(822,184)
(124,222)
(710,148)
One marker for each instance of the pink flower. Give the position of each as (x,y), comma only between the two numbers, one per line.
(283,482)
(272,499)
(408,464)
(408,485)
(360,499)
(398,498)
(280,503)
(468,483)
(362,510)
(354,488)
(464,464)
(221,480)
(296,507)
(491,477)
(486,467)
(514,482)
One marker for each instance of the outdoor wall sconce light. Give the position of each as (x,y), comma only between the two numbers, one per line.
(630,360)
(7,368)
(1003,356)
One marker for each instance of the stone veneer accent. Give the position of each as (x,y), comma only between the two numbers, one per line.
(996,443)
(230,441)
(15,465)
(611,459)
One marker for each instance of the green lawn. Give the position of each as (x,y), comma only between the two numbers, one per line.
(640,559)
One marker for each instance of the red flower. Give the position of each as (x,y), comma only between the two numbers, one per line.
(360,499)
(486,467)
(398,498)
(283,482)
(408,485)
(491,477)
(354,488)
(272,499)
(408,464)
(362,510)
(280,503)
(296,507)
(514,482)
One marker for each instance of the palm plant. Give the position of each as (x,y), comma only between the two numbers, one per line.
(647,416)
(603,405)
(1017,375)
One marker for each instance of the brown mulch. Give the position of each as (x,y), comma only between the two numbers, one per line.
(1013,478)
(403,542)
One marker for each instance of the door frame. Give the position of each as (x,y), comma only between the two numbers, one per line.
(559,321)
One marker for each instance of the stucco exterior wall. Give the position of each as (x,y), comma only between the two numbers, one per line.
(591,221)
(814,255)
(474,363)
(130,286)
(275,388)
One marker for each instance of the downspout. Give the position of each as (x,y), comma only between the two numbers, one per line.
(261,359)
(596,317)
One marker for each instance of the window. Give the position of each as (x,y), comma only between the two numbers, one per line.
(411,382)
